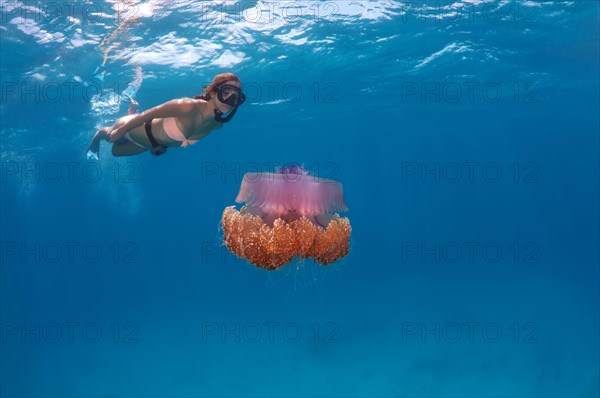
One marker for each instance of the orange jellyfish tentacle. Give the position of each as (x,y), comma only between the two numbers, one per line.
(247,236)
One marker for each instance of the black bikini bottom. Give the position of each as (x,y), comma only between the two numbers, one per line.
(157,149)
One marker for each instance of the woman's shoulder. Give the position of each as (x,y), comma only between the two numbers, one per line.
(187,105)
(187,100)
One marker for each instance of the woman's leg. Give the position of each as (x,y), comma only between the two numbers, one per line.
(93,151)
(126,148)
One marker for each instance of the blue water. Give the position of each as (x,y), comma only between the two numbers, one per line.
(465,135)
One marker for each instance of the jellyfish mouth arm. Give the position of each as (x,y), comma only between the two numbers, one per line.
(266,214)
(322,220)
(270,215)
(288,215)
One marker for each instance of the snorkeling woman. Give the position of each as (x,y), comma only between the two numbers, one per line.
(176,123)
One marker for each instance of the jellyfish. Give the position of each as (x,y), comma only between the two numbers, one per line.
(287,214)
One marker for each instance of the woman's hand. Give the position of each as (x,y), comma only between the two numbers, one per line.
(116,134)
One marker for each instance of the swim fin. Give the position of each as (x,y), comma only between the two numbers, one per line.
(93,151)
(92,155)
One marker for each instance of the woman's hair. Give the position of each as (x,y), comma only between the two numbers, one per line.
(217,81)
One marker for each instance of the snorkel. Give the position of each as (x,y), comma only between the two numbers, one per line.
(219,115)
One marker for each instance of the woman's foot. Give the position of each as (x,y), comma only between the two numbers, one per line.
(93,151)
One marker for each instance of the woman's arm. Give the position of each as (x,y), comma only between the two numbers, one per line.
(173,108)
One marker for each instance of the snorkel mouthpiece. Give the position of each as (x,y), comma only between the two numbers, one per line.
(219,115)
